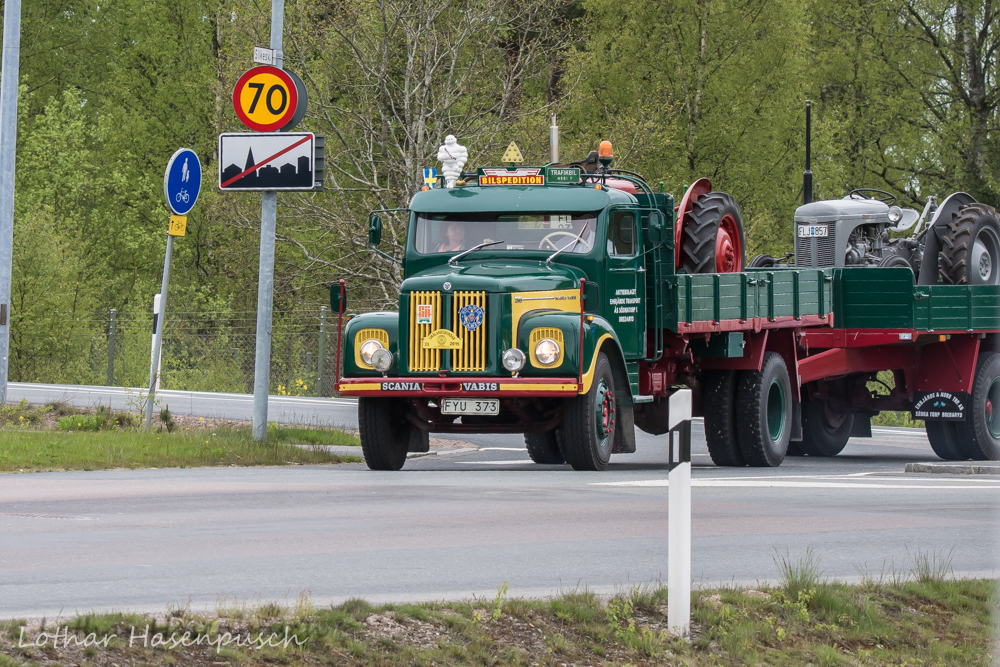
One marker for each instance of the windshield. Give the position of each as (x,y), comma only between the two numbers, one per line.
(455,232)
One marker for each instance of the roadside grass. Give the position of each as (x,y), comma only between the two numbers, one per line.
(24,451)
(911,622)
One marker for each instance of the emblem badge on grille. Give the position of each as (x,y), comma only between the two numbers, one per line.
(471,316)
(447,286)
(425,313)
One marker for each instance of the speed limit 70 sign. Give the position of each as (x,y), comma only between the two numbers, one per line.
(266,98)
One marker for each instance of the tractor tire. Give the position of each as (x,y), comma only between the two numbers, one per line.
(764,413)
(943,436)
(712,239)
(979,435)
(719,390)
(824,433)
(762,262)
(543,448)
(588,432)
(384,432)
(970,247)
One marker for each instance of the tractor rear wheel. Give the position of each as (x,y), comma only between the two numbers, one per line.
(543,448)
(970,247)
(720,418)
(944,439)
(825,432)
(384,432)
(979,434)
(589,421)
(712,238)
(764,412)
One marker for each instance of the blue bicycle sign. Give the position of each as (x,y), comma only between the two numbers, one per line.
(182,181)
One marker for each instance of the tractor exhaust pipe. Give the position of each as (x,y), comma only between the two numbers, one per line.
(554,140)
(807,175)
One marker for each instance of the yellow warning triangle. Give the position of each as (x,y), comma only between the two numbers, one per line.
(512,154)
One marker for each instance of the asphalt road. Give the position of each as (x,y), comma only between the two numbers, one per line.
(453,525)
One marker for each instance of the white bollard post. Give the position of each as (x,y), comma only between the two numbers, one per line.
(679,516)
(154,364)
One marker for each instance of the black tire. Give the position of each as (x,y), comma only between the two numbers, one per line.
(719,403)
(762,262)
(384,432)
(970,247)
(794,450)
(582,445)
(979,435)
(943,436)
(543,448)
(701,227)
(764,412)
(823,433)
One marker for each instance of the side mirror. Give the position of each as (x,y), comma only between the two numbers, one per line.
(591,297)
(336,301)
(656,228)
(374,230)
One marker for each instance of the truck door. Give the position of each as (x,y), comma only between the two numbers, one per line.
(625,282)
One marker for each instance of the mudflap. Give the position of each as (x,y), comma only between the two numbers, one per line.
(796,422)
(862,427)
(420,441)
(625,429)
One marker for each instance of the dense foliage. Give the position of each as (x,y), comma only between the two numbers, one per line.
(905,97)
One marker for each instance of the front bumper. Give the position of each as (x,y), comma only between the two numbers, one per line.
(484,387)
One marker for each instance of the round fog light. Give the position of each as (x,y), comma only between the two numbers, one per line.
(381,360)
(513,360)
(547,351)
(368,348)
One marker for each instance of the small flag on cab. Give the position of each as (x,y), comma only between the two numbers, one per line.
(430,178)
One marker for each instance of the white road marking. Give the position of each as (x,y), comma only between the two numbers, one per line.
(496,463)
(774,483)
(501,449)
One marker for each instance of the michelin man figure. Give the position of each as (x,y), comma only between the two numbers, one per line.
(453,157)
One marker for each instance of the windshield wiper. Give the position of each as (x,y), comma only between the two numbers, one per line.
(578,239)
(466,252)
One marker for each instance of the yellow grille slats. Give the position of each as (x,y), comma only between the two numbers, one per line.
(540,334)
(380,335)
(472,356)
(421,359)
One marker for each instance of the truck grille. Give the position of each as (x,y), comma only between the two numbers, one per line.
(822,248)
(471,357)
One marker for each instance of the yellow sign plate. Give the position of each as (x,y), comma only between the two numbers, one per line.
(178,225)
(512,154)
(441,339)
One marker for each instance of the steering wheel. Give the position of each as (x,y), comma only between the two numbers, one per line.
(575,237)
(871,193)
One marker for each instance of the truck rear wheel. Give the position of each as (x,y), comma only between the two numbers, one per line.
(825,432)
(970,247)
(979,435)
(720,418)
(764,412)
(944,439)
(543,448)
(384,431)
(589,421)
(712,236)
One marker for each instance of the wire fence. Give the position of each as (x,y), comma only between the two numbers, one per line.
(202,351)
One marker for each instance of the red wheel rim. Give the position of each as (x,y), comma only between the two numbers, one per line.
(728,247)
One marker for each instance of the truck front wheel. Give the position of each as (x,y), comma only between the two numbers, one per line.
(720,418)
(764,412)
(543,448)
(384,431)
(825,432)
(589,421)
(979,435)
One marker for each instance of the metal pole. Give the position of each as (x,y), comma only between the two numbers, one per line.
(554,140)
(112,325)
(321,363)
(807,175)
(679,516)
(8,149)
(158,339)
(265,279)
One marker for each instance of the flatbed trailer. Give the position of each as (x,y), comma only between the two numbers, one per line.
(580,326)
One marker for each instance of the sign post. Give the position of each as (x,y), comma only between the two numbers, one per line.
(679,515)
(181,185)
(8,146)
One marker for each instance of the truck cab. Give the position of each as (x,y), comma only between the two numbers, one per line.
(522,310)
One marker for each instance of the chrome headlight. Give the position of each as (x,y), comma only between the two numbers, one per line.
(381,360)
(368,348)
(895,214)
(547,351)
(513,360)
